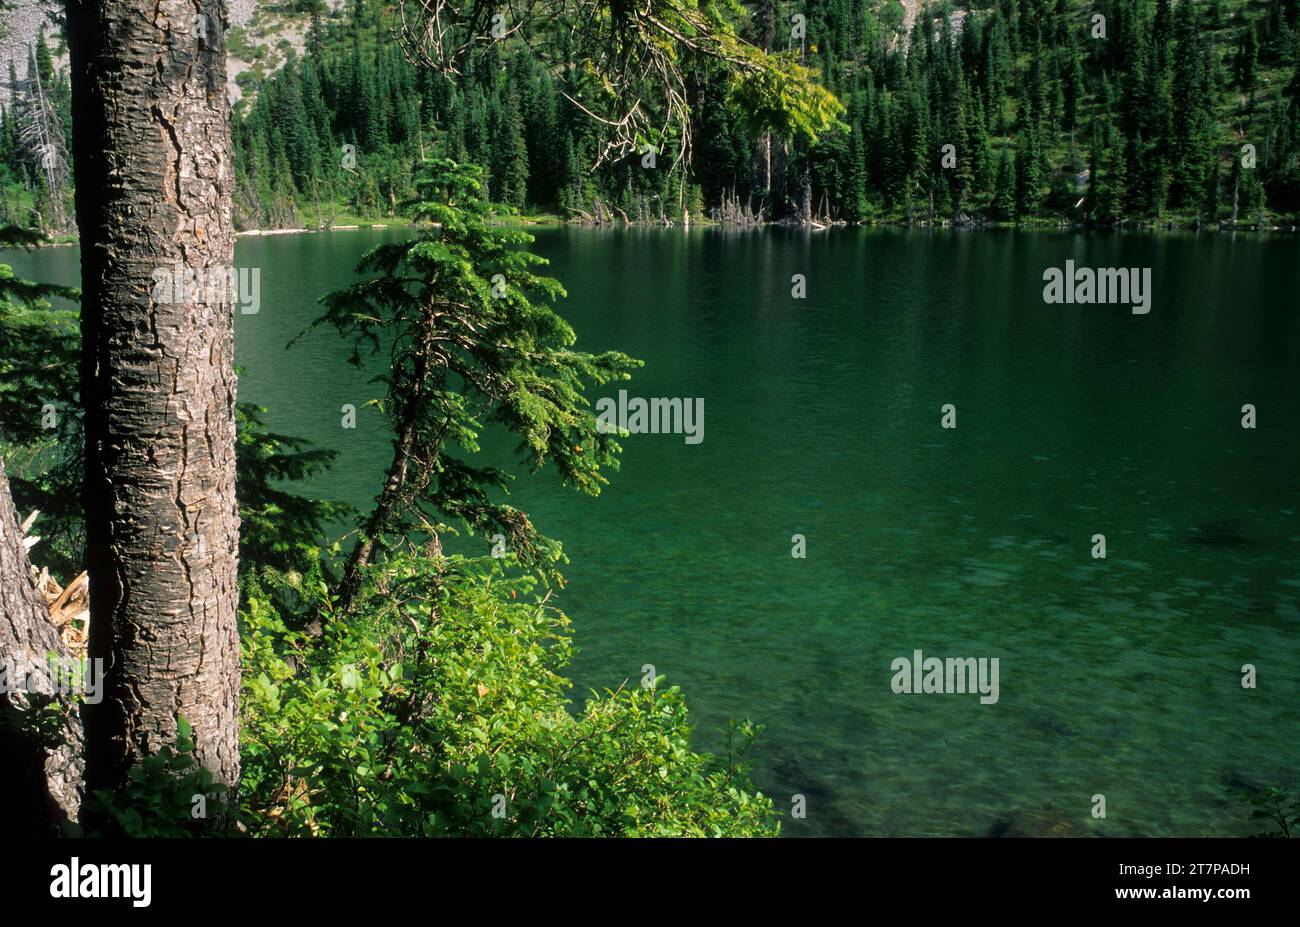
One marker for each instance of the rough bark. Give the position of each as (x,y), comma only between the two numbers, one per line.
(154,190)
(40,779)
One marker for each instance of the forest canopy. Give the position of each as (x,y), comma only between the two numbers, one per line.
(1025,111)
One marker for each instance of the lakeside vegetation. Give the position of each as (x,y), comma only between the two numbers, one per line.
(1058,112)
(410,693)
(1054,117)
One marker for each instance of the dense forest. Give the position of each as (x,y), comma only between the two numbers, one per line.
(1051,112)
(1030,111)
(35,126)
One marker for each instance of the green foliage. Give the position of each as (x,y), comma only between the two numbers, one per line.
(40,427)
(279,529)
(774,92)
(1160,106)
(434,701)
(167,795)
(39,349)
(36,340)
(25,193)
(437,704)
(547,119)
(472,343)
(1175,87)
(40,722)
(1278,806)
(439,699)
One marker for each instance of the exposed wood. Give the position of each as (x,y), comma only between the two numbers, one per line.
(40,783)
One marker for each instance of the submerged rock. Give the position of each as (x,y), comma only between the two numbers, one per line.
(1227,533)
(1043,822)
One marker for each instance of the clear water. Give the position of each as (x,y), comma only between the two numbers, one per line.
(1119,676)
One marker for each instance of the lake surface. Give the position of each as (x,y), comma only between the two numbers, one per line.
(1118,676)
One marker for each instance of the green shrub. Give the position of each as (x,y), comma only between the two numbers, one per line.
(437,706)
(1276,805)
(168,795)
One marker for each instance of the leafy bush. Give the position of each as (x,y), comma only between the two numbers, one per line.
(436,707)
(1275,805)
(39,342)
(169,795)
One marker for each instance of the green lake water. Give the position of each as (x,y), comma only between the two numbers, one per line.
(1119,677)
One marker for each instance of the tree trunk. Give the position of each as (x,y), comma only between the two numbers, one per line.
(1236,190)
(385,507)
(40,782)
(763,163)
(780,159)
(805,185)
(154,192)
(395,484)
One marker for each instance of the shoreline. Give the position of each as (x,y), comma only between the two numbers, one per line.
(306,231)
(820,227)
(896,226)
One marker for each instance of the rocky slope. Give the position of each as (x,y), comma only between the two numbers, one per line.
(261,31)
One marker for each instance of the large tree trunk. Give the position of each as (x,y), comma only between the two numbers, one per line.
(40,780)
(154,185)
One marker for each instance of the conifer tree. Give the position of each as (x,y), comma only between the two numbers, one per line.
(473,342)
(1004,188)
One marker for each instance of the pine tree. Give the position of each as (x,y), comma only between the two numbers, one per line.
(1029,174)
(511,154)
(475,342)
(1004,188)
